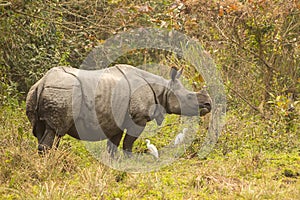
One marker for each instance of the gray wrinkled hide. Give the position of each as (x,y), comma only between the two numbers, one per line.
(67,95)
(100,104)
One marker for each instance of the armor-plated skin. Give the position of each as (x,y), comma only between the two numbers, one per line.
(99,104)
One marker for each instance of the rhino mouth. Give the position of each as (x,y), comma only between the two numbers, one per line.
(204,108)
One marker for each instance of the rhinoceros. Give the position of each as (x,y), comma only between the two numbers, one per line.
(94,105)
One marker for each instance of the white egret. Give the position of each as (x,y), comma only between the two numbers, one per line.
(180,137)
(152,149)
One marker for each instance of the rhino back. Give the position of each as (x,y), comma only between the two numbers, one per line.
(97,100)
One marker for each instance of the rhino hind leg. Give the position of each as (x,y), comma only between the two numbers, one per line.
(47,140)
(113,143)
(39,129)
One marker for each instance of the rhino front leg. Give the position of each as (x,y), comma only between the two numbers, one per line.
(113,143)
(46,141)
(127,144)
(134,130)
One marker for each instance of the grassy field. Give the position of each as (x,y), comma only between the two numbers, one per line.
(254,45)
(252,160)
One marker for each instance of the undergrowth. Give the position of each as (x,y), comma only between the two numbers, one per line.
(248,162)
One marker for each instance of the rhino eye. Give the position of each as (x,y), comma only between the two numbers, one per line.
(190,96)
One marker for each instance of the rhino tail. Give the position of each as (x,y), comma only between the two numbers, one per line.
(32,105)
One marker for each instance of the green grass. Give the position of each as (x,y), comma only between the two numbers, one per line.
(250,161)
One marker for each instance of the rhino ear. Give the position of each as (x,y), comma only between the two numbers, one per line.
(173,73)
(179,73)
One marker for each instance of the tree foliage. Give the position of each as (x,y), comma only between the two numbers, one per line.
(255,43)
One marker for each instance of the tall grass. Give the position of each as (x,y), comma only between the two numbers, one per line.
(247,163)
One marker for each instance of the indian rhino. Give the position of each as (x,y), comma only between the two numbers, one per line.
(94,105)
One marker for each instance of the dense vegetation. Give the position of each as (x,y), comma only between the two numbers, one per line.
(255,45)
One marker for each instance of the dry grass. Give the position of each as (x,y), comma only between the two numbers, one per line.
(71,173)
